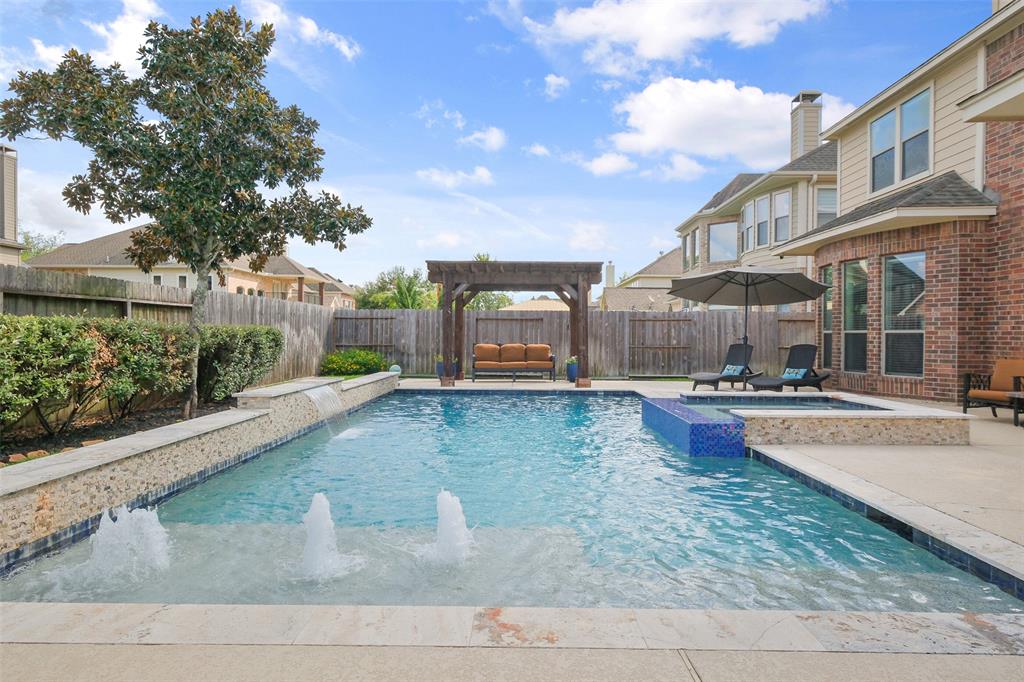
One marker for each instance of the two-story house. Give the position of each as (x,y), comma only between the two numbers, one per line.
(747,220)
(926,254)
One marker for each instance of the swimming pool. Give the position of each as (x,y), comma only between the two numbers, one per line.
(572,502)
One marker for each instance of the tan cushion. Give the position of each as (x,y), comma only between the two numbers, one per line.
(487,364)
(539,364)
(537,352)
(513,352)
(1004,372)
(991,396)
(488,352)
(513,365)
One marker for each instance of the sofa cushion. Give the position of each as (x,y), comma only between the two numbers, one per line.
(539,364)
(513,352)
(537,352)
(1004,372)
(991,396)
(487,364)
(488,352)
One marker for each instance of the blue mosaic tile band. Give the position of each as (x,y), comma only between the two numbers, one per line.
(83,529)
(951,555)
(692,432)
(620,393)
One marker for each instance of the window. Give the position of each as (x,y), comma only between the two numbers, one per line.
(748,227)
(722,242)
(855,316)
(695,246)
(761,211)
(826,318)
(209,282)
(914,115)
(903,318)
(182,282)
(250,291)
(259,293)
(781,216)
(909,124)
(686,251)
(157,279)
(239,290)
(826,205)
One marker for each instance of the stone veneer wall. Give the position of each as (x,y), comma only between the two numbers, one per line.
(855,430)
(75,487)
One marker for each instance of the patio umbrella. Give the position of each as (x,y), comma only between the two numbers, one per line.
(746,287)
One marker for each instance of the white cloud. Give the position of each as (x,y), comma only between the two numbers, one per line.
(537,149)
(555,86)
(489,139)
(311,32)
(588,235)
(123,36)
(610,163)
(432,112)
(49,55)
(452,179)
(447,240)
(456,118)
(711,120)
(682,167)
(833,108)
(622,37)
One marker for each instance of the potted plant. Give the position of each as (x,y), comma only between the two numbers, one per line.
(571,368)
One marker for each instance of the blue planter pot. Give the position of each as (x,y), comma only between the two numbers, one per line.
(439,368)
(570,372)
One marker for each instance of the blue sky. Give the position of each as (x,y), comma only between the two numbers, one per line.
(526,130)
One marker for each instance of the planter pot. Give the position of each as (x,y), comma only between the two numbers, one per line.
(439,369)
(570,372)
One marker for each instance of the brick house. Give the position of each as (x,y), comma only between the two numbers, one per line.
(926,254)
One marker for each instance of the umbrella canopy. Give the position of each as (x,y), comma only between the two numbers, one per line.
(748,286)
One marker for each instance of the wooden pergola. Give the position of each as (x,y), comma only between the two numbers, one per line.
(461,281)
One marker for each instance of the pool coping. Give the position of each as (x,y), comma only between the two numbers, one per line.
(529,627)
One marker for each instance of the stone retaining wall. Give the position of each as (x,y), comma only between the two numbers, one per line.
(57,500)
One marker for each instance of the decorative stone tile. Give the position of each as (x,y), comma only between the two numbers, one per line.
(73,623)
(579,628)
(388,625)
(222,624)
(738,630)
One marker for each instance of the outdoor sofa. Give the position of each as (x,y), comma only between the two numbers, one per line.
(992,390)
(513,359)
(735,369)
(799,372)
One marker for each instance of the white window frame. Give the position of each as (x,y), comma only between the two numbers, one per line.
(898,151)
(846,331)
(815,211)
(158,280)
(695,247)
(830,293)
(789,214)
(902,331)
(183,281)
(736,226)
(686,252)
(757,221)
(747,230)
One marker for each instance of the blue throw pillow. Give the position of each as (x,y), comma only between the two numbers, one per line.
(791,373)
(732,370)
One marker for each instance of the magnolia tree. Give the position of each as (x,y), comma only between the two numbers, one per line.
(193,143)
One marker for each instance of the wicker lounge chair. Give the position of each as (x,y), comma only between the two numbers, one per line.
(800,362)
(737,356)
(991,390)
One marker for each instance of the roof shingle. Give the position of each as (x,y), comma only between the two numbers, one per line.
(821,159)
(636,298)
(734,187)
(668,264)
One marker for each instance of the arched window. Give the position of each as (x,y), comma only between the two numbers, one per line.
(259,293)
(251,291)
(239,290)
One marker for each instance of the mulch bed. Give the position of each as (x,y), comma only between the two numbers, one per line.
(92,431)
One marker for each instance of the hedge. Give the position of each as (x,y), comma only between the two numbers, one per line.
(62,367)
(352,361)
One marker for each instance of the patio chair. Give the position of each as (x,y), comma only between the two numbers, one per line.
(735,369)
(799,372)
(992,390)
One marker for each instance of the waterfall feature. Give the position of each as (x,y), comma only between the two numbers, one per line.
(327,402)
(454,539)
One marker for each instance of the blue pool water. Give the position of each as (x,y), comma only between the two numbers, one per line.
(574,503)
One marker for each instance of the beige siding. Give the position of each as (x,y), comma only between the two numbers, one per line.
(953,140)
(9,256)
(9,200)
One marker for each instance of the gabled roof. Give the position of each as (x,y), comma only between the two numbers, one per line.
(335,284)
(821,159)
(636,298)
(666,265)
(539,304)
(734,187)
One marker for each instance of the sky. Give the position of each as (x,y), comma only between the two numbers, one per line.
(526,130)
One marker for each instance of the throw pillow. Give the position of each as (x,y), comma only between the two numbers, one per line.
(732,370)
(791,373)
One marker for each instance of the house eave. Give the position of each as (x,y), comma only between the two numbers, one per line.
(894,219)
(1003,101)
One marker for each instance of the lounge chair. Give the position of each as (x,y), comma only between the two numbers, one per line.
(799,372)
(735,369)
(991,390)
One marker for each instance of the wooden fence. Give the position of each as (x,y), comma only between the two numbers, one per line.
(621,343)
(306,327)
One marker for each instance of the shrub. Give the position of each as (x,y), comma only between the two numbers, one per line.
(352,361)
(234,357)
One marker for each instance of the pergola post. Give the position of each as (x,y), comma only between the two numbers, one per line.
(447,332)
(460,336)
(582,338)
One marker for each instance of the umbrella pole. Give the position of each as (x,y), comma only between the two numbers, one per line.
(746,311)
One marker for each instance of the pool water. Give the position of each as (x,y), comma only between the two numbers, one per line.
(572,501)
(718,407)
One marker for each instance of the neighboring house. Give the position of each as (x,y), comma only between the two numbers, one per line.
(754,213)
(647,289)
(539,304)
(10,249)
(337,294)
(926,256)
(281,277)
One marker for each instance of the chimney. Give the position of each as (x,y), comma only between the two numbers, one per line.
(609,274)
(9,194)
(805,123)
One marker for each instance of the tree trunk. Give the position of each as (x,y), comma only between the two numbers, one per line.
(199,294)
